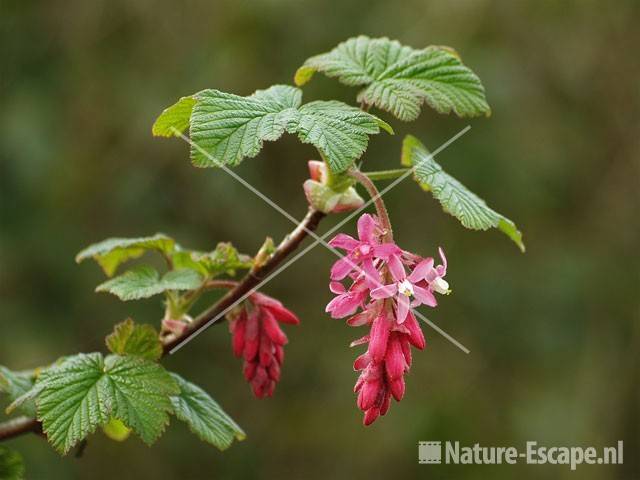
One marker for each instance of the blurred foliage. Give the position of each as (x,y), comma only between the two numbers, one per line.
(553,334)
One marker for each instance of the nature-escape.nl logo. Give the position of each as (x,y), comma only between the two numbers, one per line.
(453,453)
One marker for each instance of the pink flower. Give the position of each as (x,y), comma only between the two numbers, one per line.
(434,276)
(347,301)
(386,309)
(258,338)
(406,287)
(362,253)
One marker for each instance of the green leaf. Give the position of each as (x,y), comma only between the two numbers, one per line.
(454,197)
(400,79)
(174,120)
(229,127)
(339,131)
(116,430)
(204,416)
(11,464)
(86,391)
(144,282)
(111,253)
(15,385)
(74,400)
(225,259)
(137,340)
(141,393)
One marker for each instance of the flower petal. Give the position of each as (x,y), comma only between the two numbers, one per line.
(421,269)
(396,268)
(342,268)
(360,319)
(386,250)
(385,291)
(403,307)
(425,296)
(344,241)
(442,269)
(366,228)
(370,273)
(337,288)
(343,305)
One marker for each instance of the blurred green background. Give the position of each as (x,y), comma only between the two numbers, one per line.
(553,334)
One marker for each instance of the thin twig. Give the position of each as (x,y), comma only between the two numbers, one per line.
(17,426)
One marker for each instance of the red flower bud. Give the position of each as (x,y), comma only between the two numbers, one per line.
(257,336)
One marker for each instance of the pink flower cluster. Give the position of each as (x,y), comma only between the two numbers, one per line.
(258,338)
(386,283)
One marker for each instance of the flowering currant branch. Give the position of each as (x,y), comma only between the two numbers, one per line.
(377,284)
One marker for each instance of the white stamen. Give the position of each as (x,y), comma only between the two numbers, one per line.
(405,288)
(440,285)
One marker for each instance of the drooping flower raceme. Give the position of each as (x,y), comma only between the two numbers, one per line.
(386,284)
(258,338)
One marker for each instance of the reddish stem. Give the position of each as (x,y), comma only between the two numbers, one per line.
(381,209)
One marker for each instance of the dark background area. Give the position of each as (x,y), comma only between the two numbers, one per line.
(553,334)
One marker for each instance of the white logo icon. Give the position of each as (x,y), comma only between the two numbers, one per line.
(429,452)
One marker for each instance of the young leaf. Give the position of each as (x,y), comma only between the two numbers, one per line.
(137,340)
(86,391)
(229,127)
(204,416)
(339,131)
(174,119)
(11,464)
(16,384)
(144,282)
(140,391)
(112,252)
(454,197)
(225,259)
(399,79)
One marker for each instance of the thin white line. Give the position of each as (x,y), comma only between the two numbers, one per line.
(318,240)
(441,332)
